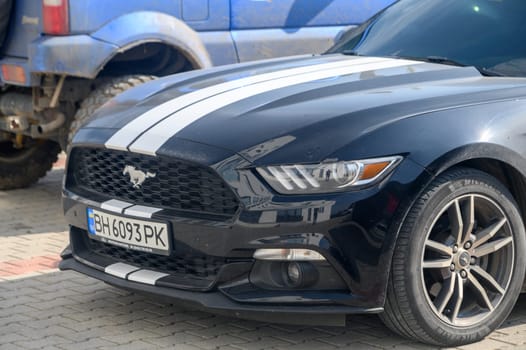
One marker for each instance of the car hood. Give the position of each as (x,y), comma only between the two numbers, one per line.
(307,107)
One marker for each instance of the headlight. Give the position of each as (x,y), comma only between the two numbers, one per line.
(327,177)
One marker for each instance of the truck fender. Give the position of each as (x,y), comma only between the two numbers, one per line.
(136,28)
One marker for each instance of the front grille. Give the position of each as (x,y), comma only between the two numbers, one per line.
(200,266)
(177,184)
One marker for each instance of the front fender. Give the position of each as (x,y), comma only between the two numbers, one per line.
(136,28)
(437,141)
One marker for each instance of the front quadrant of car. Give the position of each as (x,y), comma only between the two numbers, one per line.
(216,217)
(305,189)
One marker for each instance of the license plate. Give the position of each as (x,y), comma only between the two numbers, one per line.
(142,235)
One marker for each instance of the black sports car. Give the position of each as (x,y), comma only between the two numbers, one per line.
(386,176)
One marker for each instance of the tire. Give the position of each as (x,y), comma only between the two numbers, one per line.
(5,12)
(21,168)
(448,288)
(100,95)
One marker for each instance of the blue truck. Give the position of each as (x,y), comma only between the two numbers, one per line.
(62,59)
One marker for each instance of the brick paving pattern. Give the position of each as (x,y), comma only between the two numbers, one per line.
(41,308)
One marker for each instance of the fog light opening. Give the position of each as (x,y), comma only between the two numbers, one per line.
(294,273)
(299,274)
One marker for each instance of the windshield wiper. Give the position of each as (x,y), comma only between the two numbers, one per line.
(350,53)
(444,60)
(488,72)
(434,59)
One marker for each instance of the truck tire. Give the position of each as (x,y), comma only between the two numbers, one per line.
(22,167)
(100,95)
(5,12)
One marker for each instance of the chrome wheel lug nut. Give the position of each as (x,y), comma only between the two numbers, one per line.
(468,245)
(463,274)
(473,260)
(452,267)
(455,248)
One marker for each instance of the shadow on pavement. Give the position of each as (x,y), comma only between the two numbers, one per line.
(37,209)
(68,310)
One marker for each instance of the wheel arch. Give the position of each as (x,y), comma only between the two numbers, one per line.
(509,176)
(152,57)
(506,165)
(146,29)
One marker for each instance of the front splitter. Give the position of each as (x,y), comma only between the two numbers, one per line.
(217,302)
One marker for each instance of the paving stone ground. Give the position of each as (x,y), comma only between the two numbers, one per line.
(42,308)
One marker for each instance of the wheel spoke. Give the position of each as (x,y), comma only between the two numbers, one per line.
(468,218)
(436,264)
(490,231)
(439,247)
(492,247)
(460,298)
(446,293)
(488,278)
(455,220)
(480,290)
(466,259)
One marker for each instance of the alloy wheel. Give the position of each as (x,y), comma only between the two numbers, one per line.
(468,259)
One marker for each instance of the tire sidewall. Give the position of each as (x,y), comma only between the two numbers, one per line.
(26,168)
(104,90)
(469,183)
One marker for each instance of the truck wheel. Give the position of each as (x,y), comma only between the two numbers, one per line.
(22,167)
(102,94)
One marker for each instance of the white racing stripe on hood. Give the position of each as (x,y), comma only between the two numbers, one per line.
(125,136)
(154,138)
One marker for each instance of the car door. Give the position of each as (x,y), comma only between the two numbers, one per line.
(271,28)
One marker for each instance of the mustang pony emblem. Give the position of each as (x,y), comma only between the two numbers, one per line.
(137,177)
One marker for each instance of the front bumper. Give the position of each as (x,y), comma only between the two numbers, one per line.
(219,303)
(354,231)
(232,291)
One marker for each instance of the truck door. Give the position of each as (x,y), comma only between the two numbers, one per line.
(211,18)
(271,28)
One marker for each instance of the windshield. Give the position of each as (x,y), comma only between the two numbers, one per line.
(487,34)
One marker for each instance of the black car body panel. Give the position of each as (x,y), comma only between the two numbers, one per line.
(371,103)
(433,115)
